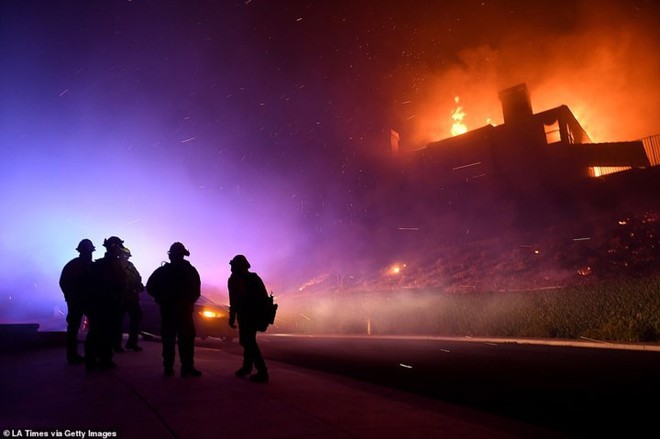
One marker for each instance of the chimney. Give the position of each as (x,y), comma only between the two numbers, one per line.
(516,104)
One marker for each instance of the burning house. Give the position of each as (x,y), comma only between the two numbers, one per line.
(549,148)
(533,170)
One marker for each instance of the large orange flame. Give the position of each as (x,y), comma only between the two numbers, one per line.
(457,115)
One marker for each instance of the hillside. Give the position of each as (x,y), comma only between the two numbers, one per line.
(604,228)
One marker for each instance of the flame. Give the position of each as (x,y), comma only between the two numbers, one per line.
(457,115)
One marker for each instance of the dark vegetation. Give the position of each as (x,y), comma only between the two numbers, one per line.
(623,310)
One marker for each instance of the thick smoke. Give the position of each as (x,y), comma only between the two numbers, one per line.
(263,128)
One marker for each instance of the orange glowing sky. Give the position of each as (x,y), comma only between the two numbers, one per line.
(606,70)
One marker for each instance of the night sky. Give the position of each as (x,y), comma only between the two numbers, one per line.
(262,127)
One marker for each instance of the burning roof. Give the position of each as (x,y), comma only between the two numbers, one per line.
(549,147)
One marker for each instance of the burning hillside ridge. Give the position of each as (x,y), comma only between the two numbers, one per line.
(561,256)
(611,230)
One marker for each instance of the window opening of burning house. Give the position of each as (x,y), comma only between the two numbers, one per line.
(552,132)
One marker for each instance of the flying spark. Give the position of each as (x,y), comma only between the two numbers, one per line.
(466,166)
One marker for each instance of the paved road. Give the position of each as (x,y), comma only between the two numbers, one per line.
(42,394)
(583,391)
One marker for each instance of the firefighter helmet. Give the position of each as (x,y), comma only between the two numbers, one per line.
(178,249)
(239,261)
(113,241)
(86,245)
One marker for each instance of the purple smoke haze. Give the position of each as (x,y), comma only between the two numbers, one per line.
(250,127)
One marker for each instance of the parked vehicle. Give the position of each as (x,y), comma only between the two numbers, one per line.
(211,319)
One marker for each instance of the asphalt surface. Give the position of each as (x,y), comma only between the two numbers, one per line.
(43,396)
(569,385)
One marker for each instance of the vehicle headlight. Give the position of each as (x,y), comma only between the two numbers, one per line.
(210,314)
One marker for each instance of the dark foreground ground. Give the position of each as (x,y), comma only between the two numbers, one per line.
(563,385)
(43,394)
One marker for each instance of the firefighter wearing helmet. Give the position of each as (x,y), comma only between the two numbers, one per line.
(75,282)
(109,281)
(176,286)
(130,305)
(247,297)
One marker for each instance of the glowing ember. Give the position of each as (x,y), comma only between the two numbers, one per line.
(395,269)
(457,115)
(585,271)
